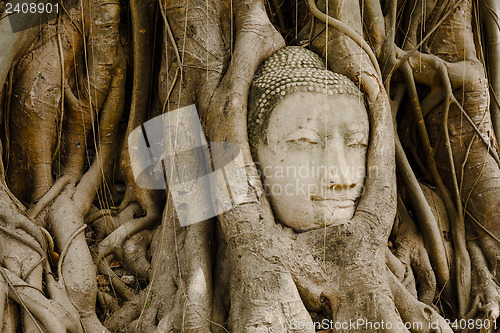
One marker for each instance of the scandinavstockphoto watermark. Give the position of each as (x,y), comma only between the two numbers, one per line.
(204,180)
(309,178)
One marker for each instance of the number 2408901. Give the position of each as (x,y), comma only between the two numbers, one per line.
(31,8)
(472,324)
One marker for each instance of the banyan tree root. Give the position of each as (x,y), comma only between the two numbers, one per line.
(417,316)
(465,149)
(485,292)
(100,91)
(179,294)
(254,27)
(37,106)
(178,297)
(410,250)
(135,253)
(247,227)
(271,268)
(265,275)
(473,147)
(34,118)
(24,256)
(72,205)
(342,302)
(374,223)
(53,316)
(150,203)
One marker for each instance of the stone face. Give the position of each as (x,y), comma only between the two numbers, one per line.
(309,131)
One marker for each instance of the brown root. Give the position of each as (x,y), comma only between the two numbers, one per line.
(419,316)
(51,314)
(135,253)
(243,271)
(411,251)
(486,291)
(427,221)
(34,115)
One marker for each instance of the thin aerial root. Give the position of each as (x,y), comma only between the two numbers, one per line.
(35,246)
(482,227)
(408,54)
(28,272)
(3,299)
(18,298)
(462,258)
(49,196)
(485,141)
(65,250)
(344,28)
(454,209)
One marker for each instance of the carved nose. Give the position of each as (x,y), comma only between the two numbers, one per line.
(339,175)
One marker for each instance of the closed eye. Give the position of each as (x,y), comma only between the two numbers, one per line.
(303,136)
(304,140)
(357,140)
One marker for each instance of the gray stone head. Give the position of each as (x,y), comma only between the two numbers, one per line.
(308,129)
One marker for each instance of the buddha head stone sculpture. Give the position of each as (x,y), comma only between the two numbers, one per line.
(308,129)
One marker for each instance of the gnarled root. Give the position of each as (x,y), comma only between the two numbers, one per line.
(35,113)
(78,269)
(417,316)
(410,250)
(53,316)
(127,313)
(485,292)
(135,253)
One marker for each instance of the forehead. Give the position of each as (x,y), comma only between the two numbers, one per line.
(317,111)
